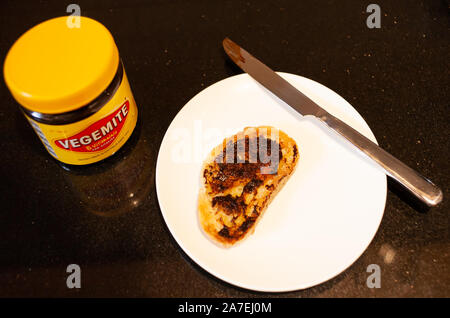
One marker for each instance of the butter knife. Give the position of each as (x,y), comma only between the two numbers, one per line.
(418,185)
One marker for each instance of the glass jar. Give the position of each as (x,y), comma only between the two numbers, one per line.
(73,89)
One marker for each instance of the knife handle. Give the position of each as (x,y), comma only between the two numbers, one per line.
(417,184)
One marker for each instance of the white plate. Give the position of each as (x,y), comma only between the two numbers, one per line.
(318,225)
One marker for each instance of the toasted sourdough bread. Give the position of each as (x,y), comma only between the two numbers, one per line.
(240,177)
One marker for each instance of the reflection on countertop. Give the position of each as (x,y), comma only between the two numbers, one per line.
(118,184)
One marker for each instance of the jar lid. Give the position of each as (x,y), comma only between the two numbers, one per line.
(53,68)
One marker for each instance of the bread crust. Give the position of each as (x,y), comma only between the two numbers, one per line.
(238,181)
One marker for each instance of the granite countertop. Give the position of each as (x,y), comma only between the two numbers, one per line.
(395,76)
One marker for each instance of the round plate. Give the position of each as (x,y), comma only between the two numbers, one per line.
(319,223)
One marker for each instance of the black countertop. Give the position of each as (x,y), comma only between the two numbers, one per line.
(397,77)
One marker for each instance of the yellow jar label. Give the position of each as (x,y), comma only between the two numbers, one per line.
(96,137)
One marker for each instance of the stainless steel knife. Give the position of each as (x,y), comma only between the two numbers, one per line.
(418,185)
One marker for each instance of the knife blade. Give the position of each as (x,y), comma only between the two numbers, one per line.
(418,185)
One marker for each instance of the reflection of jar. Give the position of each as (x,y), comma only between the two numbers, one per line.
(120,184)
(73,89)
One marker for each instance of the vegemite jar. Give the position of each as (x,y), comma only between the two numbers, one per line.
(72,88)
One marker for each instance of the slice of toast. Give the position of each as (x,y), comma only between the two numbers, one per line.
(240,177)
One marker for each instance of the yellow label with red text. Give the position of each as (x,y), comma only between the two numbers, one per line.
(96,137)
